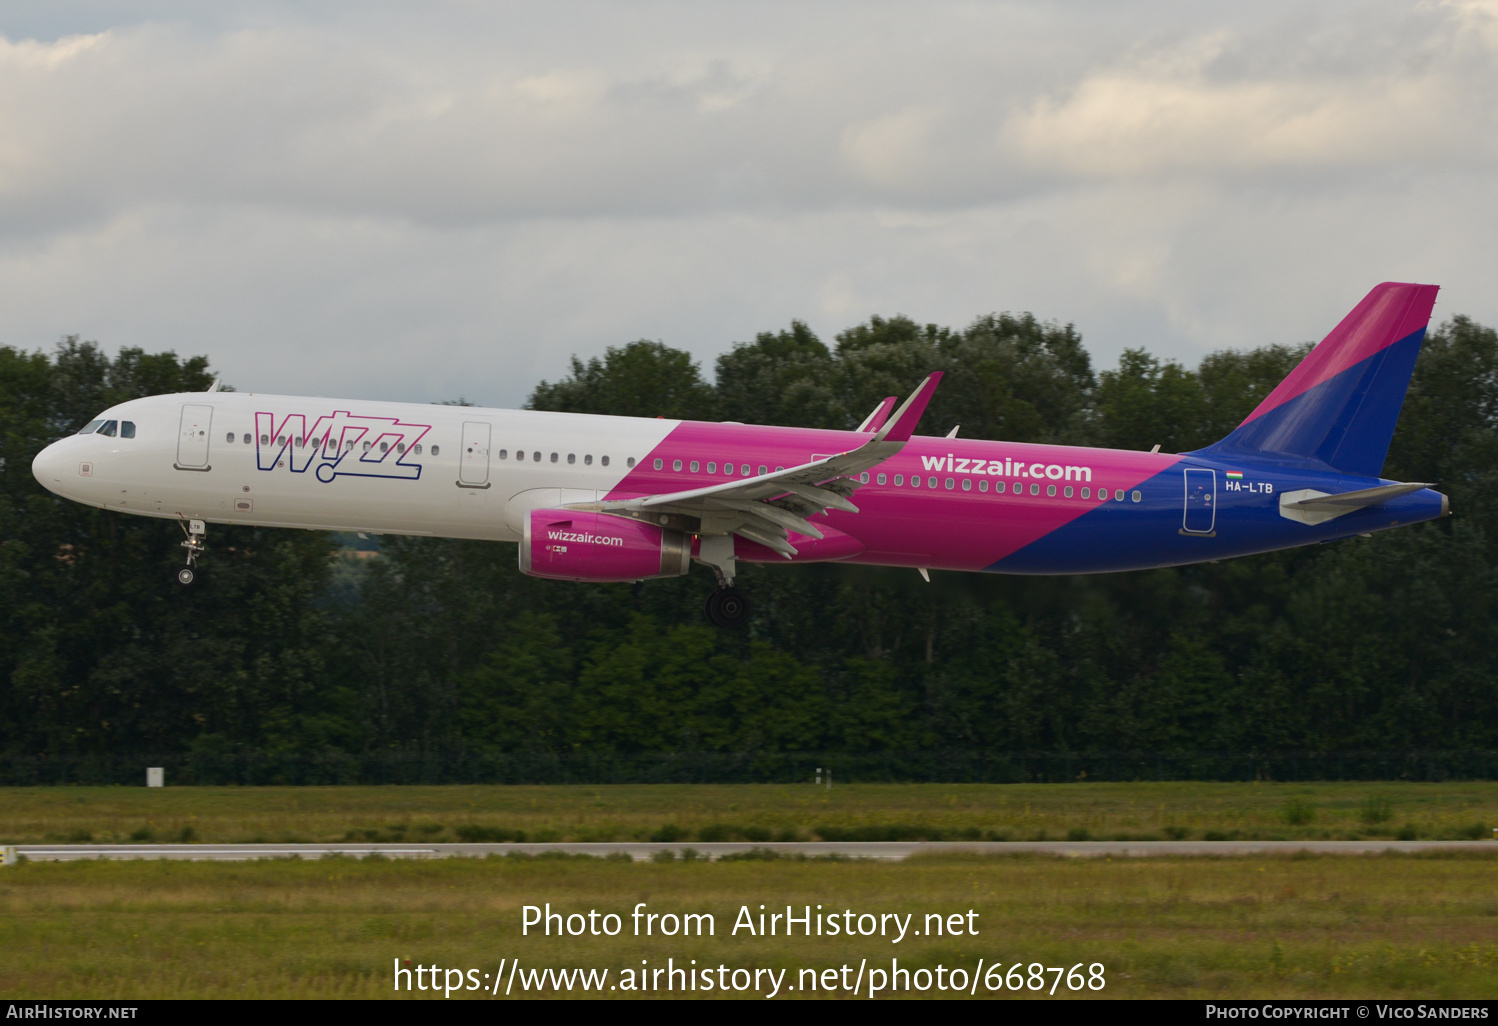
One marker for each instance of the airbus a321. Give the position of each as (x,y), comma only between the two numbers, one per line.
(594,498)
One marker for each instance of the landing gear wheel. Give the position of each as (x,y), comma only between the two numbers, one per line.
(728,607)
(186,575)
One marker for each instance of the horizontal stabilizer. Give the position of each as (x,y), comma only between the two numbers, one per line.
(1312,507)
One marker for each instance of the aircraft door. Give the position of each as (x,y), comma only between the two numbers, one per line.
(473,458)
(1201,502)
(192,439)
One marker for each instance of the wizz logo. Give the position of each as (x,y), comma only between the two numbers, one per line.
(339,445)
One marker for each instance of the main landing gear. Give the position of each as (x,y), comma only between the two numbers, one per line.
(728,607)
(196,531)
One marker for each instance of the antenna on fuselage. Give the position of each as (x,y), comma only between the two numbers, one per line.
(216,382)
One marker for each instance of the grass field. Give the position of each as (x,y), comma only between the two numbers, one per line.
(1134,811)
(1375,926)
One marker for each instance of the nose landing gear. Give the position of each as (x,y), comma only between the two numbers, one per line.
(195,530)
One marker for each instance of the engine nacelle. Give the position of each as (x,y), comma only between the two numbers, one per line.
(576,545)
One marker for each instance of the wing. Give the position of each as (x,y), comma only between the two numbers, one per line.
(766,509)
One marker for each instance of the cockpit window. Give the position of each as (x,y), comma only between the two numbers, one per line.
(90,427)
(109,428)
(127,429)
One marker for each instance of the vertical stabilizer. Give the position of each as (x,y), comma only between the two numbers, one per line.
(1340,405)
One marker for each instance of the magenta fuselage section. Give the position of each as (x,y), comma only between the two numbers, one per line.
(1005,507)
(941,502)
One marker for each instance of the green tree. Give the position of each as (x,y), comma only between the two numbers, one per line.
(642,379)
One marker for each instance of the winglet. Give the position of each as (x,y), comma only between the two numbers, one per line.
(902,424)
(875,420)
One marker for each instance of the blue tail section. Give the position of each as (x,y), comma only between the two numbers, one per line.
(1339,407)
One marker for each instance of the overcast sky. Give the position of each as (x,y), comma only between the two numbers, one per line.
(420,201)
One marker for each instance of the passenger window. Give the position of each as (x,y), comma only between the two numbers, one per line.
(931,482)
(400,447)
(676,465)
(246,438)
(504,454)
(745,469)
(417,447)
(109,428)
(1118,495)
(999,487)
(967,484)
(265,439)
(536,456)
(230,439)
(899,480)
(712,468)
(1068,491)
(983,486)
(367,446)
(659,463)
(90,427)
(763,470)
(696,466)
(728,469)
(1050,491)
(864,477)
(282,441)
(915,480)
(1136,496)
(882,479)
(127,429)
(949,484)
(435,450)
(1035,489)
(302,441)
(1086,493)
(588,460)
(384,446)
(572,457)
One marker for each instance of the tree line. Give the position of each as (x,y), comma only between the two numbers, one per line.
(293,647)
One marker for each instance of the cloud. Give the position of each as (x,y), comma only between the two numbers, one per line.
(382,202)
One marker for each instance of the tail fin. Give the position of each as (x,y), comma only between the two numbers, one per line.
(1340,405)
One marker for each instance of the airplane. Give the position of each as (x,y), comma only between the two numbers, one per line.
(623,499)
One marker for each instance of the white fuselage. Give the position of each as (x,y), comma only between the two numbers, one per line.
(379,467)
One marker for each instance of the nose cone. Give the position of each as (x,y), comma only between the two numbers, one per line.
(48,467)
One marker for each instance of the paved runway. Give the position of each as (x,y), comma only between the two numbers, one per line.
(889,850)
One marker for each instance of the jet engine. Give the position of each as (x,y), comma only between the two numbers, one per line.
(575,545)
